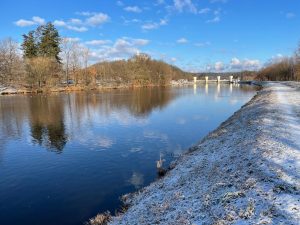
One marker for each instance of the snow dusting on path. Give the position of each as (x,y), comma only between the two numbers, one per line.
(245,172)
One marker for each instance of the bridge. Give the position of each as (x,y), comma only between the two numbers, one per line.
(218,80)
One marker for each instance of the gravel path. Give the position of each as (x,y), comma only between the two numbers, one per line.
(245,172)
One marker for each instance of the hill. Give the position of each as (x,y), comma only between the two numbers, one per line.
(139,70)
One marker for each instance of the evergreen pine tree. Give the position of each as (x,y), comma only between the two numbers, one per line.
(49,42)
(29,45)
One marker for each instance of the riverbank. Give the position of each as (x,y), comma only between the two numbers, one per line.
(72,88)
(245,172)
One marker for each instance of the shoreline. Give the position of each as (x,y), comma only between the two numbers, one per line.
(244,172)
(23,91)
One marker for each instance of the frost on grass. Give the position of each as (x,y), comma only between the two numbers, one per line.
(245,172)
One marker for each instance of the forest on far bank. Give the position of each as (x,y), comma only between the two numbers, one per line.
(47,60)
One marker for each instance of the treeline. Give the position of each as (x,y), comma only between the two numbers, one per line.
(45,60)
(138,70)
(282,69)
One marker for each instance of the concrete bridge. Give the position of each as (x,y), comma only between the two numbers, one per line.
(218,80)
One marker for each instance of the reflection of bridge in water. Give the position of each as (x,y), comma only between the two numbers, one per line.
(198,85)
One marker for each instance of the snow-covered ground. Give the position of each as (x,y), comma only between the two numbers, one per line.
(245,172)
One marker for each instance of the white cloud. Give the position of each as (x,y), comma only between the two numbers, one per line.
(67,25)
(134,9)
(182,41)
(122,48)
(154,25)
(181,5)
(246,64)
(35,20)
(219,66)
(251,64)
(140,42)
(59,23)
(78,25)
(24,23)
(130,21)
(277,58)
(235,62)
(76,21)
(97,19)
(98,42)
(204,11)
(216,19)
(38,20)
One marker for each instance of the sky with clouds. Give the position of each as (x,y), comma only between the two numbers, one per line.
(196,35)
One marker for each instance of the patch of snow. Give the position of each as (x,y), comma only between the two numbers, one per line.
(245,172)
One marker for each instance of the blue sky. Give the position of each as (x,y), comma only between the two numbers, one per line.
(196,35)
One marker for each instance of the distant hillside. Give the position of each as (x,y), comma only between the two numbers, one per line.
(140,70)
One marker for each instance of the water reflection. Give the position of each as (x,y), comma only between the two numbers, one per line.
(110,143)
(137,180)
(48,115)
(47,122)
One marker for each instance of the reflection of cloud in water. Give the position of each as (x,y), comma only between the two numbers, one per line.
(136,149)
(125,119)
(155,135)
(105,142)
(181,121)
(233,101)
(93,141)
(121,117)
(137,180)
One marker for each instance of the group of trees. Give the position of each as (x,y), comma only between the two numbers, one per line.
(11,68)
(140,70)
(51,60)
(44,59)
(287,68)
(36,64)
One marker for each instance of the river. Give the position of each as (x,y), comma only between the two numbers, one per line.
(66,157)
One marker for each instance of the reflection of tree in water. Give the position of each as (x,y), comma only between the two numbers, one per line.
(13,113)
(140,102)
(47,122)
(143,101)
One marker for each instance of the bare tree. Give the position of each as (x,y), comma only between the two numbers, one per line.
(10,61)
(76,62)
(67,47)
(39,69)
(85,58)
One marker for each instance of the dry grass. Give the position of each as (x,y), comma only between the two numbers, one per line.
(100,219)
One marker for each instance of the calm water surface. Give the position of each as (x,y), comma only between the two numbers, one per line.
(66,157)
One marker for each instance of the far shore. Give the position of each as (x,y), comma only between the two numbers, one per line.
(12,91)
(9,90)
